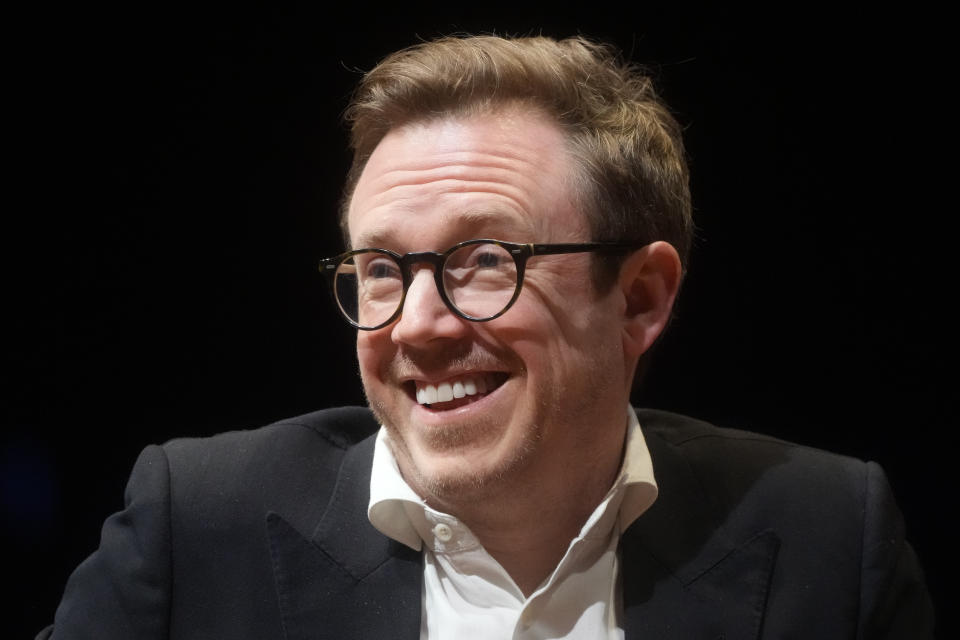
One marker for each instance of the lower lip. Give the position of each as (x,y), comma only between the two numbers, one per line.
(439,416)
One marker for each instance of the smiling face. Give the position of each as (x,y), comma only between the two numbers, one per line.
(528,399)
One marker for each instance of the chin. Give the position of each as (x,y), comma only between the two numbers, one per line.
(458,478)
(456,460)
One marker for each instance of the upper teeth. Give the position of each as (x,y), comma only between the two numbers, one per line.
(446,391)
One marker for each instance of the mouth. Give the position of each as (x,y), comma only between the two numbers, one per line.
(457,391)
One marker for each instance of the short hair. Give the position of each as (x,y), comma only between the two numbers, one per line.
(633,183)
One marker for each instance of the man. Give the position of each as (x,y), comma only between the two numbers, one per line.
(519,214)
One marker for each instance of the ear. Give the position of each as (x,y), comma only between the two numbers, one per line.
(649,280)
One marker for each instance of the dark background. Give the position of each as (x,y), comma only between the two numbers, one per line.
(176,175)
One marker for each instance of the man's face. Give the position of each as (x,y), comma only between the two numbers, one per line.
(550,375)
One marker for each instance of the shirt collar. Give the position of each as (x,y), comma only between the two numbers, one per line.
(389,492)
(396,510)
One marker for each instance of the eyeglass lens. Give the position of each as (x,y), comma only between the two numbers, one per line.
(478,279)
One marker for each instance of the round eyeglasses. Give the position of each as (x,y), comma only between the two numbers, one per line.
(478,280)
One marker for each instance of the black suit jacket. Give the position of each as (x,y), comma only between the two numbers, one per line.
(263,534)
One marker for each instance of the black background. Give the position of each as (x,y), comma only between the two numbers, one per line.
(175,178)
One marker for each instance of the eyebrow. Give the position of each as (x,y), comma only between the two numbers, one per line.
(381,236)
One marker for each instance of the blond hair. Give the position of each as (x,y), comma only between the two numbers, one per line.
(634,178)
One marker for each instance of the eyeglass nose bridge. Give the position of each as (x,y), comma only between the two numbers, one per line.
(408,260)
(437,260)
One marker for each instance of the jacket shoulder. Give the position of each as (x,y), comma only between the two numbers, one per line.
(702,442)
(289,467)
(752,473)
(679,429)
(326,432)
(334,428)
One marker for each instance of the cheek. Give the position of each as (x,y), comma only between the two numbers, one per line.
(560,284)
(565,313)
(575,332)
(370,355)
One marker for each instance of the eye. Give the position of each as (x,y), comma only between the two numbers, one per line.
(378,267)
(479,260)
(483,256)
(382,269)
(487,258)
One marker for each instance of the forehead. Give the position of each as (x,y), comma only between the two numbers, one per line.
(507,173)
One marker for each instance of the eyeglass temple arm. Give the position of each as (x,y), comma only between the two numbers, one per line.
(600,247)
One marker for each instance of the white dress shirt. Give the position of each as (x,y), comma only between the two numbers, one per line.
(467,594)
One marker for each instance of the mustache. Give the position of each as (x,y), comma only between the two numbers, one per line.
(413,363)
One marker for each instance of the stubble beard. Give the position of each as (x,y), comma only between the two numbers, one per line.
(467,483)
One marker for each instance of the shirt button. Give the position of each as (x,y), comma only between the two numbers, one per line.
(443,532)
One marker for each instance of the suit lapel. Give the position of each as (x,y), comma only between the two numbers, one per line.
(348,580)
(685,573)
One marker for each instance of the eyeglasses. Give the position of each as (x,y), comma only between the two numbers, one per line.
(478,280)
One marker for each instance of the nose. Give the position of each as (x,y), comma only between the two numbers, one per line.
(425,317)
